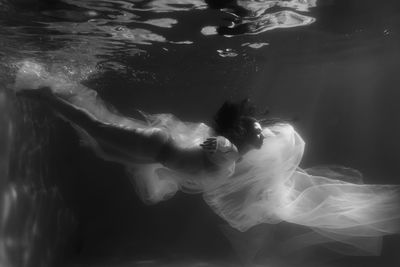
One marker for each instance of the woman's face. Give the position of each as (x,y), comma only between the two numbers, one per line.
(255,136)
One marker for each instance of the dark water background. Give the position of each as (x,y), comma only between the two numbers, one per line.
(333,65)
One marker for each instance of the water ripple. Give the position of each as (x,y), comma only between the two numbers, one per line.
(257,16)
(100,29)
(175,5)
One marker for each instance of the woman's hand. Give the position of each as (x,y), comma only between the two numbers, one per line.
(210,145)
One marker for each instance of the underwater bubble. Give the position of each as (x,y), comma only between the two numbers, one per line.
(255,45)
(228,52)
(92,13)
(209,30)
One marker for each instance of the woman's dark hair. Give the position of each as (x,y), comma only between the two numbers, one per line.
(234,119)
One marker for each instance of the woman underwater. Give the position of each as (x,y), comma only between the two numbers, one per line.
(247,169)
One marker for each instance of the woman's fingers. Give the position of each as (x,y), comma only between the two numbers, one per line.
(210,144)
(211,141)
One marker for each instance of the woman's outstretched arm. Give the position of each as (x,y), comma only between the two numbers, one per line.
(113,136)
(122,139)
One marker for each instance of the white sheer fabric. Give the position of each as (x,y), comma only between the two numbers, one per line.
(267,186)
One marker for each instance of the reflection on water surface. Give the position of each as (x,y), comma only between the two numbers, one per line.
(122,27)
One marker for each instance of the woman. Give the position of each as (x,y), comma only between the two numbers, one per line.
(248,173)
